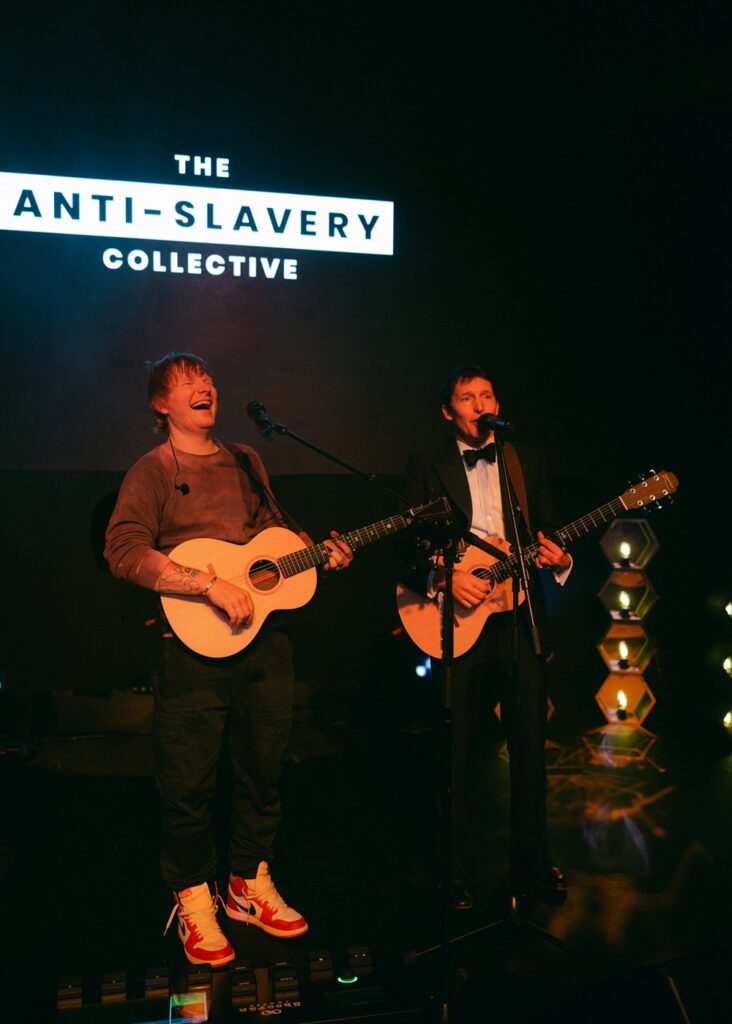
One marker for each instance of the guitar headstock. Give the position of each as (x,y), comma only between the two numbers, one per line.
(651,490)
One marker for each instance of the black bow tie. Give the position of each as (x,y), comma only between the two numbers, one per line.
(473,455)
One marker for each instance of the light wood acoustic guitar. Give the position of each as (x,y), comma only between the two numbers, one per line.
(276,568)
(422,616)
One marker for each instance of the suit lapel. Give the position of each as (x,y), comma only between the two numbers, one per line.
(450,469)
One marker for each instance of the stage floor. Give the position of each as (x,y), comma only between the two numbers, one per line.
(639,823)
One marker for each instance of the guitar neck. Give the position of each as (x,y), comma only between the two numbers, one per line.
(563,537)
(318,554)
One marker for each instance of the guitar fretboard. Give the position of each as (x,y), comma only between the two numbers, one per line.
(318,554)
(564,536)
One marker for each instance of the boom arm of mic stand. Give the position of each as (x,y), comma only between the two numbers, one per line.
(370,478)
(484,545)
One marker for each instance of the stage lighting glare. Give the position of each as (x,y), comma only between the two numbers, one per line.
(728,720)
(727,665)
(423,668)
(728,608)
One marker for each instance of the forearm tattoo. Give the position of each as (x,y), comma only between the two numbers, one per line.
(179,579)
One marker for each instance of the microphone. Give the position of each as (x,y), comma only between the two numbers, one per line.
(257,412)
(489,422)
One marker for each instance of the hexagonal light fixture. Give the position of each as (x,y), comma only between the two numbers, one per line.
(625,698)
(628,595)
(629,543)
(626,647)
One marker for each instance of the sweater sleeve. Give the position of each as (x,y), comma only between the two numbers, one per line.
(132,533)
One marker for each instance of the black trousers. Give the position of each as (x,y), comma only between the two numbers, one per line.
(202,705)
(480,679)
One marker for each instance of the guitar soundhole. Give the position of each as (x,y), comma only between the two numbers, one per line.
(264,575)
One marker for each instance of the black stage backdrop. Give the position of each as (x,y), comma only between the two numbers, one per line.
(558,175)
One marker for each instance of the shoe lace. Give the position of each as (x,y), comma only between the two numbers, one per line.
(200,919)
(271,896)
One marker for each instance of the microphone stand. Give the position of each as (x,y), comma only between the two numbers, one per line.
(266,427)
(449,981)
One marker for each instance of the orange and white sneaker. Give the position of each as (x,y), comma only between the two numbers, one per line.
(256,901)
(199,931)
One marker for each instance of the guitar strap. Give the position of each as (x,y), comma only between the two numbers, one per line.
(516,476)
(262,486)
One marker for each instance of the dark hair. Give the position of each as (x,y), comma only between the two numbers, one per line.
(456,376)
(162,372)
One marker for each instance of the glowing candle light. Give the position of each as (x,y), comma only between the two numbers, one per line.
(728,720)
(624,602)
(622,708)
(728,608)
(623,652)
(624,551)
(727,666)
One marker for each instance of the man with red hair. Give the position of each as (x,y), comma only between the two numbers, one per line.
(193,486)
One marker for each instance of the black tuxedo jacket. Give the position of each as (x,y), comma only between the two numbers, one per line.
(442,472)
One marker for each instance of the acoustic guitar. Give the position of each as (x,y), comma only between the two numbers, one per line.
(422,616)
(276,568)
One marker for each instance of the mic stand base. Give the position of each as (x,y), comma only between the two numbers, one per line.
(512,923)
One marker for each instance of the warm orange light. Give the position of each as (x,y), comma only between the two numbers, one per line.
(624,599)
(623,650)
(625,550)
(622,701)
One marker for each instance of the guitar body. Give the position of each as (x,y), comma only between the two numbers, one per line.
(205,628)
(422,616)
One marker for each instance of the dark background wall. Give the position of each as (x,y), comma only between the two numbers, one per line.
(559,174)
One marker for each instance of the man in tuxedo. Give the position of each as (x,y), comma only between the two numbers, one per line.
(465,471)
(193,486)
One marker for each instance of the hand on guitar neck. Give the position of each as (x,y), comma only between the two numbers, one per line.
(550,555)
